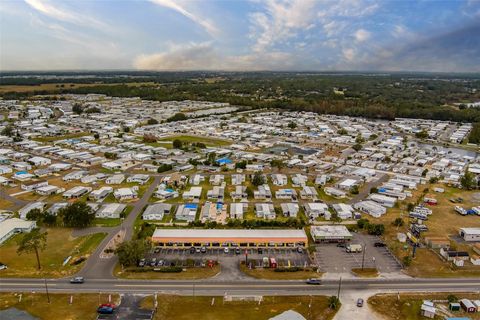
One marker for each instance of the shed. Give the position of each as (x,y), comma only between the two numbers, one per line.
(454,306)
(468,305)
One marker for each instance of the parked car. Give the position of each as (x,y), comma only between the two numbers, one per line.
(105,310)
(341,245)
(360,302)
(203,250)
(379,244)
(260,250)
(299,249)
(77,280)
(108,305)
(237,250)
(3,266)
(157,250)
(225,250)
(314,281)
(153,262)
(192,250)
(141,263)
(197,250)
(160,263)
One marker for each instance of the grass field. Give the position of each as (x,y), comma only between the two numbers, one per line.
(210,142)
(270,274)
(5,204)
(408,306)
(443,222)
(213,308)
(60,245)
(366,272)
(83,306)
(62,137)
(189,274)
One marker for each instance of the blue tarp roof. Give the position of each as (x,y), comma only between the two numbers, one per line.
(224,161)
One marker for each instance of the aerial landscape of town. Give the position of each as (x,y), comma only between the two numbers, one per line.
(164,192)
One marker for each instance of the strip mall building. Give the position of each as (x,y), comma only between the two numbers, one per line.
(246,238)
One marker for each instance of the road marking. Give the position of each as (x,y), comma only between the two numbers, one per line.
(28,284)
(214,285)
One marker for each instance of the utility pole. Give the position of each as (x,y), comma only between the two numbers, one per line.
(339,287)
(46,290)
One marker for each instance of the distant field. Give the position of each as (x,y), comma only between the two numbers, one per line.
(210,142)
(61,86)
(83,306)
(60,245)
(62,137)
(213,308)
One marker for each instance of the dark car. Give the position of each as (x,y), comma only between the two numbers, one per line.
(237,250)
(360,302)
(203,250)
(105,310)
(141,263)
(260,250)
(341,245)
(192,250)
(299,249)
(108,305)
(157,250)
(77,280)
(314,281)
(379,244)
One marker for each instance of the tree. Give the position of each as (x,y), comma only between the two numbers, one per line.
(357,147)
(468,181)
(35,215)
(398,222)
(292,125)
(49,219)
(258,179)
(422,134)
(77,108)
(177,117)
(452,298)
(34,241)
(8,131)
(177,144)
(96,136)
(362,223)
(241,165)
(110,155)
(359,139)
(130,252)
(342,132)
(407,261)
(354,190)
(164,167)
(277,163)
(333,302)
(77,215)
(373,190)
(152,121)
(249,192)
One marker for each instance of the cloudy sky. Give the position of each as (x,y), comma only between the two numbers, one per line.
(240,35)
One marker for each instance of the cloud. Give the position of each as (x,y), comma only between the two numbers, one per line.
(203,56)
(362,35)
(176,6)
(349,54)
(454,51)
(279,21)
(54,11)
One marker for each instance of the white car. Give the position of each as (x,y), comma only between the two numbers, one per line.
(225,250)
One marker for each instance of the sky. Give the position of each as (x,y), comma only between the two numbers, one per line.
(234,35)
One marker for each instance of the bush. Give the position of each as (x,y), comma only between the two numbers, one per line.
(407,261)
(171,269)
(292,269)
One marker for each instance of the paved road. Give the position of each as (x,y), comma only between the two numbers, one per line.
(259,287)
(98,268)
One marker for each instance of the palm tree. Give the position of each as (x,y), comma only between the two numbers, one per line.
(34,241)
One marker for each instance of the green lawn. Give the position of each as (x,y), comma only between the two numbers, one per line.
(189,274)
(83,306)
(214,308)
(210,142)
(60,245)
(66,136)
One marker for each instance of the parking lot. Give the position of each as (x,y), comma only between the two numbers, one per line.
(230,261)
(332,258)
